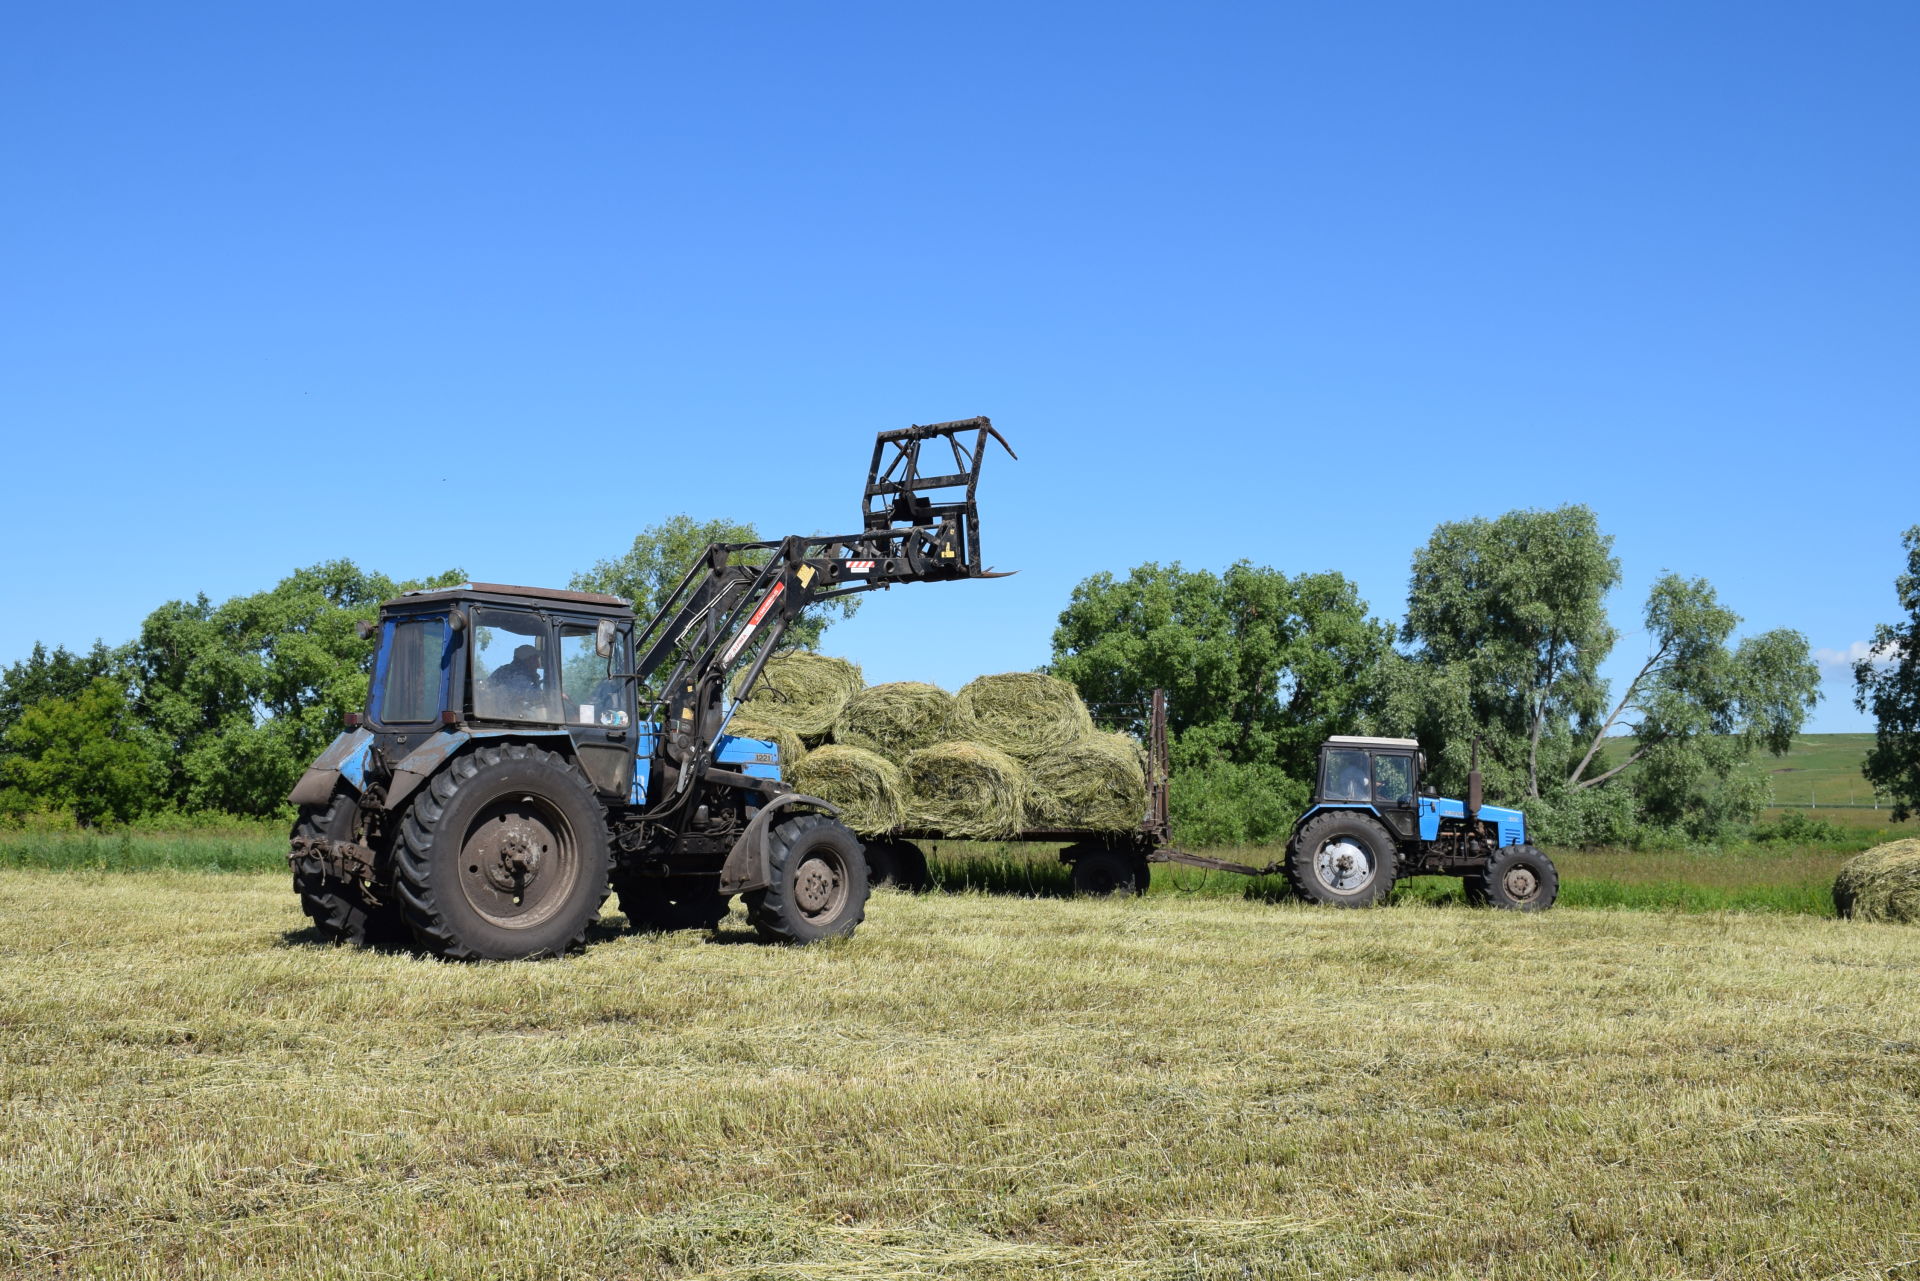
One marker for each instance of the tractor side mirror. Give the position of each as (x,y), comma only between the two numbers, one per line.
(603,638)
(365,629)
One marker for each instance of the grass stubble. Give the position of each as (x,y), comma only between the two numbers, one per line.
(1190,1085)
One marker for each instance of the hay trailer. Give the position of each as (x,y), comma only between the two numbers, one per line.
(525,750)
(1369,824)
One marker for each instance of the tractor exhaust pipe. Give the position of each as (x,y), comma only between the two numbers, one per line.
(1475,793)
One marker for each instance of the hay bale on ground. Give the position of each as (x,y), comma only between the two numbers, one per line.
(967,791)
(1024,714)
(896,718)
(1882,884)
(1096,784)
(792,749)
(803,691)
(868,788)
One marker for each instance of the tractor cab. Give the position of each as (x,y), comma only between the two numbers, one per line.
(491,661)
(1382,774)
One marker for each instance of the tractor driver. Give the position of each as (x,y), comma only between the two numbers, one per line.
(515,686)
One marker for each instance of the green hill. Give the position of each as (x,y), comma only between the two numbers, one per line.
(1821,770)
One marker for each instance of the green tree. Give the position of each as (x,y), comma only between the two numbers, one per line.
(1887,683)
(245,694)
(1509,626)
(648,571)
(1697,710)
(59,674)
(82,753)
(1258,667)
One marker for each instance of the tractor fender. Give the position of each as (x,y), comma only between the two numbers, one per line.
(428,759)
(346,755)
(747,866)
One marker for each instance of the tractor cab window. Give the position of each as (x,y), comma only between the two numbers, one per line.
(1344,776)
(588,692)
(1393,780)
(514,675)
(410,672)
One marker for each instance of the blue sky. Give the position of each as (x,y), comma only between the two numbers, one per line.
(495,286)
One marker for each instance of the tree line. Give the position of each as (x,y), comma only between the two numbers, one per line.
(219,707)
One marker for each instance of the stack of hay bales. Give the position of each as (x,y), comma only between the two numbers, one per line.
(1882,884)
(1008,753)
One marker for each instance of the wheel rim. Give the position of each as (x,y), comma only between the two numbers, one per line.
(519,862)
(1521,883)
(1344,864)
(820,886)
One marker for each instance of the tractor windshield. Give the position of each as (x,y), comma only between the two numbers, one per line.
(410,672)
(514,675)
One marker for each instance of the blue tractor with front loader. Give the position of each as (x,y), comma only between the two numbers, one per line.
(525,750)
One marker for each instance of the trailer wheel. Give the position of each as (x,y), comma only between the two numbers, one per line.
(819,887)
(342,911)
(1342,858)
(1101,872)
(502,856)
(660,904)
(1518,878)
(901,864)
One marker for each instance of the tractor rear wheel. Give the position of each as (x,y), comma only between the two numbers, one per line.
(660,904)
(819,882)
(502,856)
(342,911)
(1342,858)
(1518,878)
(901,864)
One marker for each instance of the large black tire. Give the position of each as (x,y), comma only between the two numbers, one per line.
(1342,858)
(659,903)
(819,888)
(341,911)
(1519,878)
(901,864)
(1102,872)
(502,856)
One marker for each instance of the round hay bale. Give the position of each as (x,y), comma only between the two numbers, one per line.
(803,691)
(967,791)
(867,788)
(1882,884)
(1024,714)
(896,718)
(792,749)
(1096,784)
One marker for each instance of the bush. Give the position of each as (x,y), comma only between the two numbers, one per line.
(1793,828)
(1225,803)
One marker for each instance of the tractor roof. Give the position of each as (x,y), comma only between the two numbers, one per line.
(1354,740)
(482,591)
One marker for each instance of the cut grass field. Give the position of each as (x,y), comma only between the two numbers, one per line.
(1193,1085)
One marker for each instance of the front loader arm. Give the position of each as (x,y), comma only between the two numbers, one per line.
(917,528)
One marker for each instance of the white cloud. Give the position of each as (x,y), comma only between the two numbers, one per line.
(1854,653)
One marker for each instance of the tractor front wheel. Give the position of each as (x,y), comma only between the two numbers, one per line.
(503,856)
(1342,858)
(1519,878)
(341,911)
(819,882)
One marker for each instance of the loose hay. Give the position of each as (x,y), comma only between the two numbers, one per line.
(868,788)
(896,718)
(1024,714)
(793,749)
(1097,784)
(803,691)
(1882,884)
(967,791)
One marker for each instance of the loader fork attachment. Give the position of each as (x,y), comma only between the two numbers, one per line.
(901,492)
